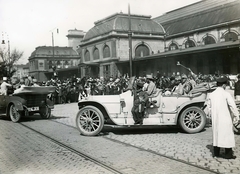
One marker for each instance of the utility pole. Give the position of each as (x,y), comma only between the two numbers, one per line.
(54,67)
(130,41)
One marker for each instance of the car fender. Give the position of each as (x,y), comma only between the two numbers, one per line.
(100,106)
(199,103)
(19,106)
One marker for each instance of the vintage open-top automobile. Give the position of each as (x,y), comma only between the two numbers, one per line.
(187,111)
(27,101)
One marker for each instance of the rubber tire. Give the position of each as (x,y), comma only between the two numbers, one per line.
(45,112)
(202,124)
(100,118)
(19,114)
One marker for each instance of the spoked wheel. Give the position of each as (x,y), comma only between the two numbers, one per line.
(89,121)
(14,114)
(45,112)
(192,119)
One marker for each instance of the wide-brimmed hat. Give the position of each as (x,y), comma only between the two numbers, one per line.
(149,76)
(222,79)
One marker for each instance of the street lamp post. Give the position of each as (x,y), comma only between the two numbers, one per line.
(6,60)
(130,41)
(54,67)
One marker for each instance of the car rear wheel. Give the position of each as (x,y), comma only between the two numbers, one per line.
(45,112)
(89,121)
(14,114)
(192,120)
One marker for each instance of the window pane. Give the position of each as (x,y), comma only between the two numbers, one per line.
(106,51)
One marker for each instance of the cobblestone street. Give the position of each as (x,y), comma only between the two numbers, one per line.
(132,151)
(192,148)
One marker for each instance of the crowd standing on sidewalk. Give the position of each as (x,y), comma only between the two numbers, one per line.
(70,89)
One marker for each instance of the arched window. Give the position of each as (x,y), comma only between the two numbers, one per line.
(209,40)
(87,56)
(50,64)
(172,46)
(189,43)
(106,51)
(230,36)
(59,64)
(95,54)
(66,63)
(141,51)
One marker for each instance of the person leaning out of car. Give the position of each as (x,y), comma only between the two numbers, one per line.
(139,104)
(4,86)
(237,89)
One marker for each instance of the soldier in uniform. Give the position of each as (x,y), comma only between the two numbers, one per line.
(140,100)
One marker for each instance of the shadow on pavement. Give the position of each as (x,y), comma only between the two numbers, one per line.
(4,118)
(142,130)
(37,117)
(210,147)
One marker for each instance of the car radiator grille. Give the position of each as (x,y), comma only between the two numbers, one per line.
(34,100)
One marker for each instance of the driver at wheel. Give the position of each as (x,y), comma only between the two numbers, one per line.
(140,100)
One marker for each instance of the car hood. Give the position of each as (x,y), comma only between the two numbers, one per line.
(35,90)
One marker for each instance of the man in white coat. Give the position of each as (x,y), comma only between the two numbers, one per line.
(224,114)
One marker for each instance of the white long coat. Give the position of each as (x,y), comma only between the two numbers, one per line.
(222,110)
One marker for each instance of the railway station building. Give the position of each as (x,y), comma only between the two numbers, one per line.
(48,62)
(204,36)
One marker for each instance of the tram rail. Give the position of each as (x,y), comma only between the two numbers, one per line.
(151,151)
(79,153)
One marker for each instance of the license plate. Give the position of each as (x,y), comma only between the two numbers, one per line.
(33,109)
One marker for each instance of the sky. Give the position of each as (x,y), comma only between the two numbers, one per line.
(27,24)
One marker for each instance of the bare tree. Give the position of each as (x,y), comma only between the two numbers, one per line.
(7,62)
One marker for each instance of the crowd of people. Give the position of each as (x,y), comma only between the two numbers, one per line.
(69,90)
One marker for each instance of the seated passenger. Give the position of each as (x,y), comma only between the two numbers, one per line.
(178,88)
(35,84)
(187,85)
(151,88)
(183,85)
(140,100)
(20,86)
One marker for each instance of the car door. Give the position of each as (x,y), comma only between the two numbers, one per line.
(2,104)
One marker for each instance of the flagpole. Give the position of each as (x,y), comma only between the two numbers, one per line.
(130,41)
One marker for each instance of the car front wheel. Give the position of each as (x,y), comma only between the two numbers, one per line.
(89,121)
(14,114)
(45,112)
(192,120)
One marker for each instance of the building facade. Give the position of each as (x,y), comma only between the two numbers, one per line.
(46,62)
(105,47)
(21,71)
(204,36)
